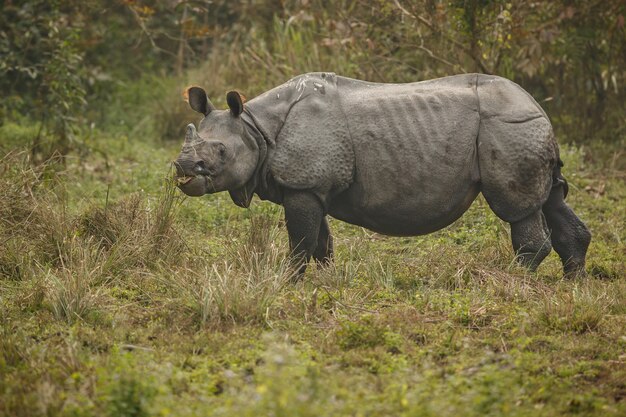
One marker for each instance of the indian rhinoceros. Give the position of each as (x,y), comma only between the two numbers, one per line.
(399,159)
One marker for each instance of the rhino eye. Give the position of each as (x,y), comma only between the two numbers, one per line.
(222,150)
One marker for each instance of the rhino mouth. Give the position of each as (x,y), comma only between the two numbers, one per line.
(184,180)
(195,185)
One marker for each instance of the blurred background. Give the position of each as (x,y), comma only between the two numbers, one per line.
(73,69)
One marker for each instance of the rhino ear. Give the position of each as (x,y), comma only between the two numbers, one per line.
(198,100)
(235,102)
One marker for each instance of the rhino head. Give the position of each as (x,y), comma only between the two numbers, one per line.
(221,154)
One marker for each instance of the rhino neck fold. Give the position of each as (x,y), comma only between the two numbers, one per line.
(286,115)
(260,181)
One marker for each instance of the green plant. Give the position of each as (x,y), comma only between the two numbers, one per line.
(46,82)
(362,333)
(127,389)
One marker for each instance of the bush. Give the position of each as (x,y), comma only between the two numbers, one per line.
(41,71)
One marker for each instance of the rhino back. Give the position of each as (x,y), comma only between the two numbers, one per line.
(415,153)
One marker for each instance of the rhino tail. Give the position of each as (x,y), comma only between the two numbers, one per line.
(558,179)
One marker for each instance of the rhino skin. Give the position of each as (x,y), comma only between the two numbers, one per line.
(399,159)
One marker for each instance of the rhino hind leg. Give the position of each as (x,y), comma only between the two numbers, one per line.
(323,253)
(570,237)
(531,240)
(516,161)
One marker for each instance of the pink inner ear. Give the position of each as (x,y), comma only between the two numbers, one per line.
(186,91)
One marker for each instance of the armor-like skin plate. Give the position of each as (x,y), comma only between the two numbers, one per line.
(399,159)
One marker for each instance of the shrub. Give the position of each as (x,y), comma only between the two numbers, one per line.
(362,333)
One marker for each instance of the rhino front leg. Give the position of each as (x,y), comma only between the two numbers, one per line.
(303,215)
(323,254)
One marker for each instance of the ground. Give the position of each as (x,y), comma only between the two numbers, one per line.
(120,297)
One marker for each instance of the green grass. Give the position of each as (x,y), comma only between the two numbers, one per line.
(120,297)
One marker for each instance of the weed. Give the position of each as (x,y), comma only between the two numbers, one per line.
(124,389)
(362,333)
(382,276)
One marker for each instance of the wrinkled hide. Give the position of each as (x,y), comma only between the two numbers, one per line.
(399,159)
(403,159)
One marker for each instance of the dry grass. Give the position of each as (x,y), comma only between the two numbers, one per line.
(32,222)
(71,258)
(71,294)
(243,287)
(136,232)
(580,308)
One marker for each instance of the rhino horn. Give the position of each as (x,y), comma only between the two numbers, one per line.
(191,133)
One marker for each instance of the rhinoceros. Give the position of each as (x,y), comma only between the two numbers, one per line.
(398,159)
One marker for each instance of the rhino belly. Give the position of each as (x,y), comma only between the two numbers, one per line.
(416,165)
(404,208)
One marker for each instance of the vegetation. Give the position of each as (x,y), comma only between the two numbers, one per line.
(120,297)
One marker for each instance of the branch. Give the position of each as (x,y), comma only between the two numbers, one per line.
(438,58)
(450,39)
(147,33)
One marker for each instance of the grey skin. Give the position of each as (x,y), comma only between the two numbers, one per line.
(399,159)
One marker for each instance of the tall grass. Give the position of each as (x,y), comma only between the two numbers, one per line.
(136,231)
(74,257)
(32,227)
(74,289)
(242,287)
(578,309)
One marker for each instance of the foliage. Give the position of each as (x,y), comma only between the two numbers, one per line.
(40,69)
(56,55)
(570,56)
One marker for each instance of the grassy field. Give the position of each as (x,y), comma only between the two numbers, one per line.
(120,297)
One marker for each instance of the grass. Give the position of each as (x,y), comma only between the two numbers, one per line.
(119,297)
(244,286)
